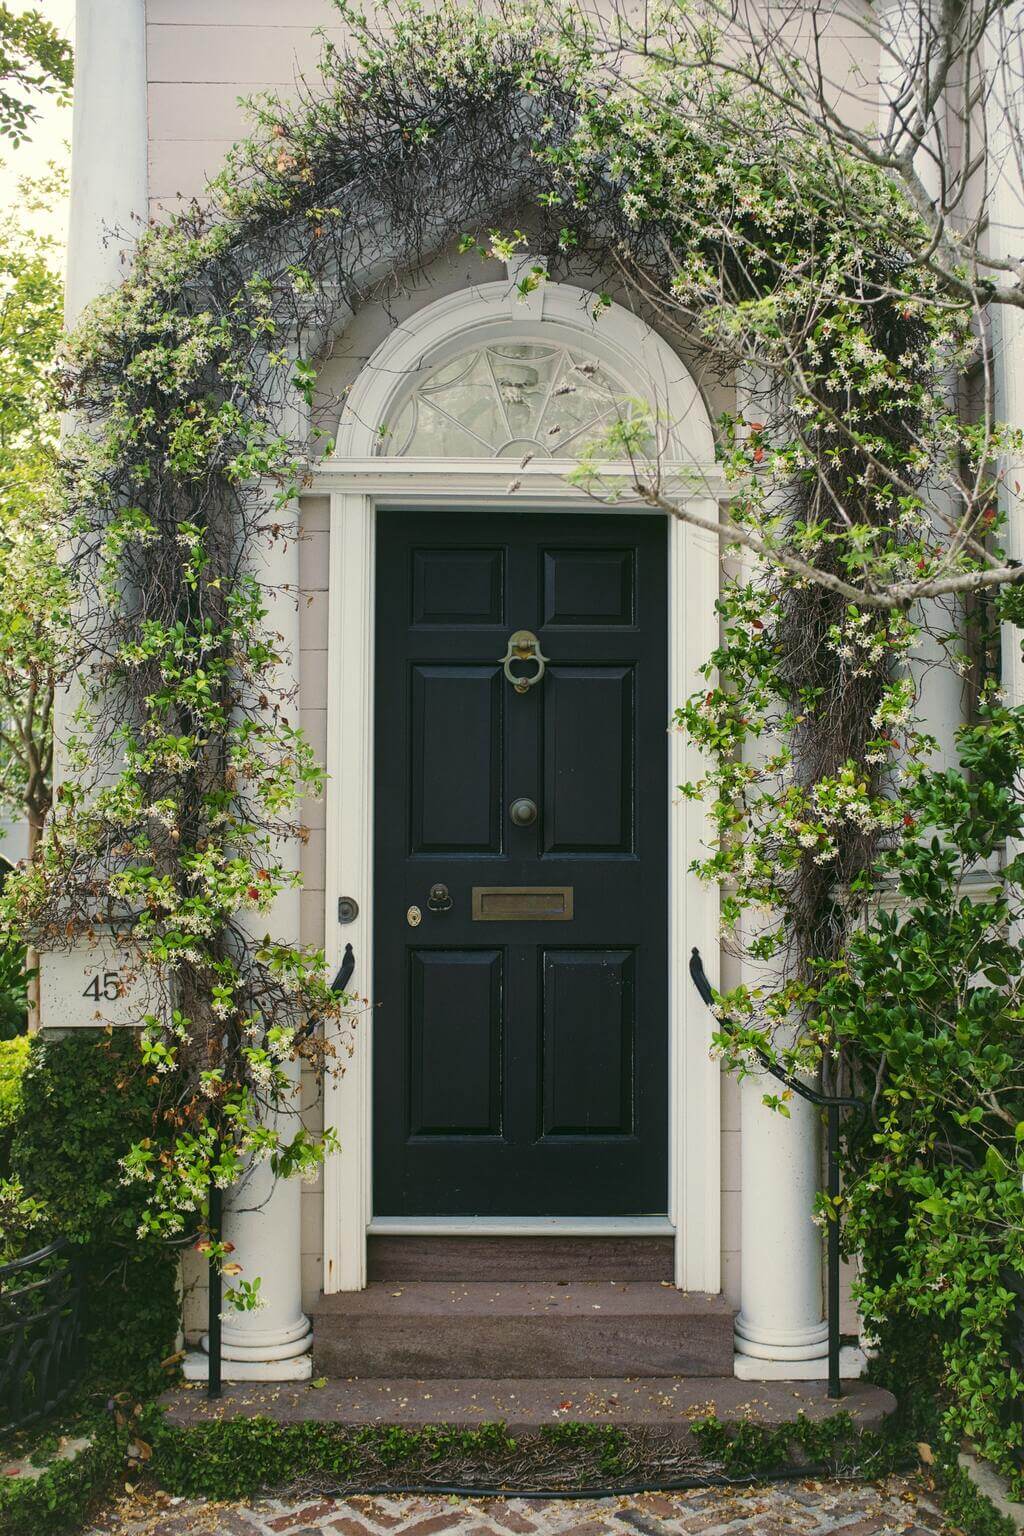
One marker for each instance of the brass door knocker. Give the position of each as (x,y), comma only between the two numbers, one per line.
(523,646)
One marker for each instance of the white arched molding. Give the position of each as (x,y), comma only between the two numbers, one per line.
(360,478)
(615,337)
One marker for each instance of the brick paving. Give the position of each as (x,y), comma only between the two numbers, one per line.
(894,1507)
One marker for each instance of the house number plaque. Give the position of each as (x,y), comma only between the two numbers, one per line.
(93,986)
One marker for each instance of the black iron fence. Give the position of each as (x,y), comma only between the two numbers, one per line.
(40,1333)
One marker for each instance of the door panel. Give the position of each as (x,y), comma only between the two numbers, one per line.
(520,1066)
(588,760)
(588,1042)
(455,759)
(588,586)
(458,586)
(455,1030)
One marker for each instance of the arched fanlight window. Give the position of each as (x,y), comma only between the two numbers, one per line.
(508,400)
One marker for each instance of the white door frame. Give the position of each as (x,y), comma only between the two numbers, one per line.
(358,483)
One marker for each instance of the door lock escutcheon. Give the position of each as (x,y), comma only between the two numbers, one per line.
(523,646)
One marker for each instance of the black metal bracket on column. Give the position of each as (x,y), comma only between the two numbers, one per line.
(833,1104)
(338,986)
(345,970)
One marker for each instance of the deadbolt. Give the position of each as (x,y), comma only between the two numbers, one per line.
(523,813)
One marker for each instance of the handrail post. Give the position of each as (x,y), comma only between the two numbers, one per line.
(834,1387)
(214,1298)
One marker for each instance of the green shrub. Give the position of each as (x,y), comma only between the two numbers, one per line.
(24,1221)
(85,1100)
(58,1502)
(13,988)
(13,1061)
(927,1001)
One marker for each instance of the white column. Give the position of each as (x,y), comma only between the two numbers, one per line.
(781,1329)
(109,147)
(263,1216)
(108,204)
(262,1220)
(109,200)
(1005,238)
(903,27)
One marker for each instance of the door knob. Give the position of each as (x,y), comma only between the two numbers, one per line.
(523,813)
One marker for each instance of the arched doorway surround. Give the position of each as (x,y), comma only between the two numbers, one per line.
(362,475)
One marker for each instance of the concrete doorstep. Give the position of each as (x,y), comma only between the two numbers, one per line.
(666,1405)
(483,1330)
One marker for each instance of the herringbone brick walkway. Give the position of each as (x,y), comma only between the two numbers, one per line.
(894,1507)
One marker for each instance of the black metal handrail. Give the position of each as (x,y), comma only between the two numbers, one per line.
(40,1333)
(834,1104)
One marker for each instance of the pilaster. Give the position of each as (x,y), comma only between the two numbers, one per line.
(109,147)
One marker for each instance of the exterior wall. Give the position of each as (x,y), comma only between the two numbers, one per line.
(202,56)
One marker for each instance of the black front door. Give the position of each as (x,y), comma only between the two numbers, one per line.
(520,1040)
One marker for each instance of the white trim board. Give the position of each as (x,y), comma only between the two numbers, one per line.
(520,1226)
(358,483)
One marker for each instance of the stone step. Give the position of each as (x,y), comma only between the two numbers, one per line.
(393,1257)
(664,1405)
(432,1330)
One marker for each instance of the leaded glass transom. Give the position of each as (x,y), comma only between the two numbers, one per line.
(507,401)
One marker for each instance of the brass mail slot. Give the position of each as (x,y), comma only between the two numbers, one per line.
(522,903)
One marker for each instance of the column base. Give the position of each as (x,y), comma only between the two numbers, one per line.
(196,1367)
(772,1343)
(852,1362)
(270,1354)
(253,1344)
